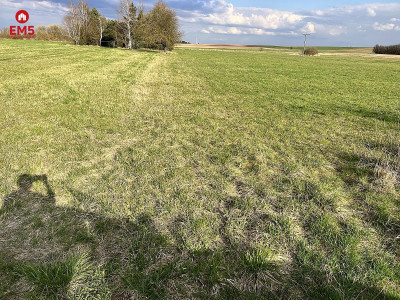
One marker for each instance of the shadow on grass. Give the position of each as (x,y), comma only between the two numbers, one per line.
(392,117)
(319,283)
(47,251)
(374,184)
(52,252)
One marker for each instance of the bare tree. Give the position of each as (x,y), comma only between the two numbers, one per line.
(127,17)
(83,10)
(73,23)
(102,26)
(76,21)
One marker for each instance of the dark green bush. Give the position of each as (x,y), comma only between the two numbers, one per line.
(311,51)
(393,49)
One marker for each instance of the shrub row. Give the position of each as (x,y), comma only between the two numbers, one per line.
(393,49)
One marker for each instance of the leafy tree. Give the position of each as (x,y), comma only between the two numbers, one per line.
(393,49)
(113,34)
(110,34)
(96,27)
(159,28)
(56,32)
(49,33)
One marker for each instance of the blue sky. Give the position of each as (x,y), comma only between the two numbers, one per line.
(331,23)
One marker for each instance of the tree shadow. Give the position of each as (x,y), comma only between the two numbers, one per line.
(316,281)
(364,176)
(53,252)
(390,117)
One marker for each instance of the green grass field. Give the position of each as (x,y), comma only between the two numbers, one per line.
(197,174)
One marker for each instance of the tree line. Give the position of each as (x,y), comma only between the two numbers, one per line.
(134,28)
(156,29)
(393,49)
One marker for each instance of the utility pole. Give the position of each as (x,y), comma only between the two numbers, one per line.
(305,41)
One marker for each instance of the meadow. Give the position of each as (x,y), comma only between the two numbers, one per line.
(198,174)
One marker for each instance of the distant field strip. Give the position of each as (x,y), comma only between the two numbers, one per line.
(198,174)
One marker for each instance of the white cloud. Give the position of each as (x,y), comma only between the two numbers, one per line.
(309,28)
(237,30)
(383,27)
(262,18)
(394,20)
(35,5)
(336,30)
(371,12)
(329,30)
(371,9)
